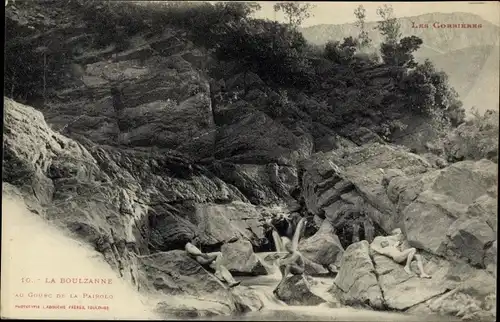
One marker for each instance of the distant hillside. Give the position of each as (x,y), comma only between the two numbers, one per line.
(469,56)
(485,90)
(435,40)
(467,67)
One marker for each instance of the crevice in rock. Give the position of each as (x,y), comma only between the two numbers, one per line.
(345,224)
(385,306)
(341,188)
(221,201)
(326,185)
(444,294)
(214,103)
(210,248)
(270,246)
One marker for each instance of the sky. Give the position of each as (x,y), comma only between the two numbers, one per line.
(343,12)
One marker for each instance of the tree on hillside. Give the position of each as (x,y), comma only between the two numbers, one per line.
(428,91)
(295,12)
(394,50)
(390,29)
(364,40)
(401,54)
(389,26)
(234,11)
(341,52)
(267,48)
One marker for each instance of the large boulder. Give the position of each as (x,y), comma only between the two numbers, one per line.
(190,290)
(296,290)
(356,282)
(246,299)
(240,259)
(311,268)
(427,221)
(358,173)
(473,140)
(402,291)
(470,238)
(436,212)
(323,247)
(365,168)
(486,207)
(490,259)
(375,280)
(473,299)
(174,272)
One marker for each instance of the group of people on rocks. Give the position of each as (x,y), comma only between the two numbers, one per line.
(291,261)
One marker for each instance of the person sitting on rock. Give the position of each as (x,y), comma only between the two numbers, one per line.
(293,263)
(391,249)
(213,261)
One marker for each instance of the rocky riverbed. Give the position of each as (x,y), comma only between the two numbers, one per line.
(135,156)
(114,200)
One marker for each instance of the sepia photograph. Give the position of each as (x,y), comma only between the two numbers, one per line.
(265,161)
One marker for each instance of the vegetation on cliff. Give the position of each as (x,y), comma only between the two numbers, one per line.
(344,81)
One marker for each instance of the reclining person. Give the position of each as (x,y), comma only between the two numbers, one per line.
(391,249)
(212,260)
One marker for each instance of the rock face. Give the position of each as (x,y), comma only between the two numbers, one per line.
(296,290)
(174,273)
(374,280)
(473,140)
(490,259)
(356,282)
(346,187)
(323,247)
(240,259)
(395,188)
(122,200)
(255,138)
(447,213)
(113,179)
(442,200)
(156,93)
(402,291)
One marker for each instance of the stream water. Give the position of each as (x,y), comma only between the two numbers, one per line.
(274,309)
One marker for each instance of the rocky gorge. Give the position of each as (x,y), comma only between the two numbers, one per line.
(136,156)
